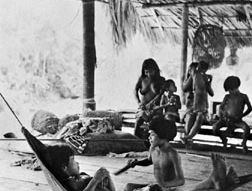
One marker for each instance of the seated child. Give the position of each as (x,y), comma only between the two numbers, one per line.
(232,111)
(61,161)
(166,161)
(170,102)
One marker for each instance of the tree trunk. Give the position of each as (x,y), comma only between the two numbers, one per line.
(89,54)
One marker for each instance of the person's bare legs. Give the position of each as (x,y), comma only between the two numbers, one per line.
(205,184)
(216,131)
(196,126)
(189,121)
(246,132)
(217,176)
(232,177)
(110,185)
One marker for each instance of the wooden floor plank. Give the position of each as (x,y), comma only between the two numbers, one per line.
(195,169)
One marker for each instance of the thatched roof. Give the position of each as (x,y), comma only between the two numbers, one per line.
(162,19)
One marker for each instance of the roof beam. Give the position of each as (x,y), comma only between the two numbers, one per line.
(198,3)
(245,7)
(158,23)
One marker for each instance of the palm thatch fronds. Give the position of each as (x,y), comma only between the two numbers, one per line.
(125,20)
(159,20)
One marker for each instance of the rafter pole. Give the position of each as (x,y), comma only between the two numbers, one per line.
(248,15)
(89,55)
(201,20)
(197,3)
(159,26)
(184,48)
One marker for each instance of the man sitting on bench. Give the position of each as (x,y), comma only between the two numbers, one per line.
(231,112)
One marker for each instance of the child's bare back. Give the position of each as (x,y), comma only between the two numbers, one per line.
(234,104)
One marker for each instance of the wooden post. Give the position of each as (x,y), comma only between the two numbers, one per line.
(89,54)
(184,48)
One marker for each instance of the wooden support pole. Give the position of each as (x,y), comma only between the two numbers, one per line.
(89,55)
(184,48)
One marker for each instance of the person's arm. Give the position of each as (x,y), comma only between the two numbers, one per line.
(143,162)
(179,179)
(162,104)
(162,101)
(137,88)
(187,84)
(221,108)
(151,104)
(178,102)
(98,178)
(249,107)
(209,88)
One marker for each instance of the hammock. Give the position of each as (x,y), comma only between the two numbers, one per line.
(57,185)
(39,149)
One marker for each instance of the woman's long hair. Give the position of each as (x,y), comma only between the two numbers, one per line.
(150,64)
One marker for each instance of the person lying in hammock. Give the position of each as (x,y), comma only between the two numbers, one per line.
(61,159)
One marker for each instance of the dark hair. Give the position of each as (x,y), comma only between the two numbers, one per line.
(58,158)
(150,64)
(192,65)
(231,83)
(168,83)
(164,128)
(203,65)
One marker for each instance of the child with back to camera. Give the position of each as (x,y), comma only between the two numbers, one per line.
(232,111)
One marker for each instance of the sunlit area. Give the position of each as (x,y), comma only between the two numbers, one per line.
(47,94)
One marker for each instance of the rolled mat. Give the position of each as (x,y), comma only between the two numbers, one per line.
(115,117)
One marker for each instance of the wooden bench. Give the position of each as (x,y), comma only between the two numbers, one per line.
(206,129)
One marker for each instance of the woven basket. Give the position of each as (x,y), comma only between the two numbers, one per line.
(209,45)
(45,122)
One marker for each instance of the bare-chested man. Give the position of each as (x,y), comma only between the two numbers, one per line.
(232,111)
(167,164)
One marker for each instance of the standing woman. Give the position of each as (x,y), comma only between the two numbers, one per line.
(148,92)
